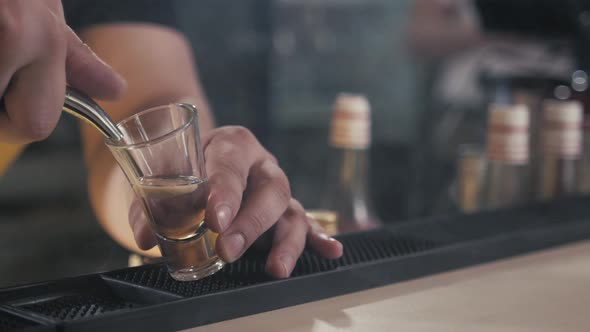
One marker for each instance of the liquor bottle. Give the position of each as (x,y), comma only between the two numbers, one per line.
(532,98)
(581,93)
(471,166)
(346,193)
(562,149)
(506,176)
(585,163)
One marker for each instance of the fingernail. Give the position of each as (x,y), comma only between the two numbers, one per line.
(233,245)
(287,262)
(223,216)
(325,236)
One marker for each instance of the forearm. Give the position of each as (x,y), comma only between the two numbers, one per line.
(154,77)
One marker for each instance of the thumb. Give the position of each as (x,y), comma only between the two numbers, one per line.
(88,73)
(144,236)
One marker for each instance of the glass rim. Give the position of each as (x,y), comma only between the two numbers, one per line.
(192,109)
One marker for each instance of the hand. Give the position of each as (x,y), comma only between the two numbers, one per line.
(39,53)
(249,195)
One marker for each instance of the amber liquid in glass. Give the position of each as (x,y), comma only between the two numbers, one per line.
(176,207)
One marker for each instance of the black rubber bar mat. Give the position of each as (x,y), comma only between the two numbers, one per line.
(148,299)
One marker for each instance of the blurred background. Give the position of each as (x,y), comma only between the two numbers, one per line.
(429,69)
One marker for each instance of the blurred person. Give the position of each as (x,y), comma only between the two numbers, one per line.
(451,34)
(471,67)
(150,63)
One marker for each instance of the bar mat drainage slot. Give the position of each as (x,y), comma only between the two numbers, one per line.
(71,307)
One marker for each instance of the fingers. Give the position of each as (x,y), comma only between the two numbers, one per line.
(292,232)
(32,117)
(229,154)
(248,194)
(36,48)
(268,197)
(144,236)
(35,97)
(87,72)
(31,58)
(321,243)
(289,241)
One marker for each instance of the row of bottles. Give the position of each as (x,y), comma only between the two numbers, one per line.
(345,205)
(521,165)
(529,155)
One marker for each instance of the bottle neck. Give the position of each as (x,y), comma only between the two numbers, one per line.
(353,171)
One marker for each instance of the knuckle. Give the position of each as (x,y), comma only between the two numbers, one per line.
(279,186)
(283,188)
(293,212)
(55,37)
(228,171)
(296,205)
(258,223)
(297,218)
(272,158)
(275,180)
(240,134)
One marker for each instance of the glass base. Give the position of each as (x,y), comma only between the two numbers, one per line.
(192,274)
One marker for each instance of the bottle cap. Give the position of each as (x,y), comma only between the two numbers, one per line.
(563,112)
(326,218)
(508,127)
(562,130)
(351,122)
(509,116)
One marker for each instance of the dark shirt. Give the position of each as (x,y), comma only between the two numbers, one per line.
(82,14)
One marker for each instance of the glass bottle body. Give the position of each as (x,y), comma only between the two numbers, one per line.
(505,185)
(559,177)
(585,162)
(346,192)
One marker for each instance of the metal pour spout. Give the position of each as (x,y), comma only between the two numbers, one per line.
(81,106)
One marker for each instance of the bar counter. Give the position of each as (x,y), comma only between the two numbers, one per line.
(525,268)
(544,291)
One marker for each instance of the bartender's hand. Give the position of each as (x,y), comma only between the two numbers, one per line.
(39,53)
(249,194)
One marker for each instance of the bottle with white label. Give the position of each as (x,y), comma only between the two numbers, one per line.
(346,192)
(507,149)
(585,163)
(561,149)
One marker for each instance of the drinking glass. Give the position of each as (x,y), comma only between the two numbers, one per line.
(162,158)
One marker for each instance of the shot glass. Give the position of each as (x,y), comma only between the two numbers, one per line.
(162,158)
